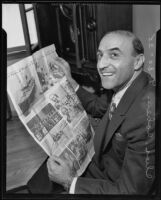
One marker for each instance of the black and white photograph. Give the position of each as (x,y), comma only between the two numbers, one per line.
(44,121)
(70,158)
(61,135)
(81,84)
(78,148)
(66,103)
(42,74)
(37,128)
(74,100)
(49,116)
(22,85)
(85,129)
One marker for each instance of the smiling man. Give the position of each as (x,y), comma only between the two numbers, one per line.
(118,62)
(124,141)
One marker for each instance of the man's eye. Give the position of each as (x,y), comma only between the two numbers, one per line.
(114,55)
(99,55)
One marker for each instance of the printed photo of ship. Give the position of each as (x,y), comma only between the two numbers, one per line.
(27,95)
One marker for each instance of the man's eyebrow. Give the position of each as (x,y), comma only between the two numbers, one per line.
(112,49)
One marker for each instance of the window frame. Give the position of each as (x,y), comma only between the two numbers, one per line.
(28,48)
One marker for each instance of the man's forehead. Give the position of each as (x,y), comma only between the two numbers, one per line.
(114,40)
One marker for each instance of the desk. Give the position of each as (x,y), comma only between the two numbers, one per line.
(24,155)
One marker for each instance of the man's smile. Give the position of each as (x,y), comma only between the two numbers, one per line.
(105,71)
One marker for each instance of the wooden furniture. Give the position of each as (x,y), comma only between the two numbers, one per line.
(76,30)
(24,155)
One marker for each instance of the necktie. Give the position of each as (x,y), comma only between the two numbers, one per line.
(112,109)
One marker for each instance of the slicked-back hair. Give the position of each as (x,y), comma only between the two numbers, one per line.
(137,44)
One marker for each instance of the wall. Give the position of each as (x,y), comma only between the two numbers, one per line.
(146,21)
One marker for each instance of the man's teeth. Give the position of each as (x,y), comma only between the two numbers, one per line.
(107,74)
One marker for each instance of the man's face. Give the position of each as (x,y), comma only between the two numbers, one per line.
(115,61)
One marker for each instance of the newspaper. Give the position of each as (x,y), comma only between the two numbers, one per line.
(49,108)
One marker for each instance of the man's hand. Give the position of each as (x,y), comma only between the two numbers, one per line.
(60,62)
(60,171)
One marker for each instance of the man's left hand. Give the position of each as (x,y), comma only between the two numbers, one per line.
(60,171)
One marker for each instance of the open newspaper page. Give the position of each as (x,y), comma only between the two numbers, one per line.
(23,85)
(49,108)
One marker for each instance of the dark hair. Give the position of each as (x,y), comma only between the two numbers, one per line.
(137,44)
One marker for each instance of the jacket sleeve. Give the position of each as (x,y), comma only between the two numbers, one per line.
(138,171)
(94,105)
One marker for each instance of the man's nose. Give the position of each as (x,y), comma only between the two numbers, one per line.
(103,62)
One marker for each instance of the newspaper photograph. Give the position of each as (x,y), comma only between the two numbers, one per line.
(23,85)
(65,102)
(44,76)
(49,108)
(48,73)
(50,54)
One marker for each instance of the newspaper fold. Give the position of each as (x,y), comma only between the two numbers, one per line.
(49,108)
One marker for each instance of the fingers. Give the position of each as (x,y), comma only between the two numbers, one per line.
(59,59)
(57,160)
(62,162)
(51,164)
(60,62)
(52,168)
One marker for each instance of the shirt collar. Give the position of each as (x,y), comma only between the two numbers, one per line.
(117,96)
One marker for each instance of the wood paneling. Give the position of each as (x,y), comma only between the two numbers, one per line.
(112,17)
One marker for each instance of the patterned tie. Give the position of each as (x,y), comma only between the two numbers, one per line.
(112,110)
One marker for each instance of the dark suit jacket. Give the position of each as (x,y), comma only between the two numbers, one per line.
(125,146)
(124,158)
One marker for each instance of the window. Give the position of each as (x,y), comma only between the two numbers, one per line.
(18,20)
(31,25)
(12,24)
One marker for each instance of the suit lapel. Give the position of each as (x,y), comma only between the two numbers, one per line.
(126,101)
(100,134)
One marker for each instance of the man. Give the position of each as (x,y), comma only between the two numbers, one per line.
(124,141)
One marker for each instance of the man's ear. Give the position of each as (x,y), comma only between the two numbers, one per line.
(139,61)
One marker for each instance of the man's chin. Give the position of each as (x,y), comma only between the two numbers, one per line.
(107,86)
